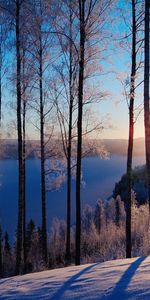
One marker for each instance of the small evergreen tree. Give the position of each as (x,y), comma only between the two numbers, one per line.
(8,262)
(117,211)
(29,232)
(87,218)
(7,248)
(1,264)
(99,211)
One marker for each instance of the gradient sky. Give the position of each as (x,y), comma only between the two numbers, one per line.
(114,108)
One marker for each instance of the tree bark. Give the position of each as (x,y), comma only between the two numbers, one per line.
(20,159)
(79,130)
(69,150)
(43,185)
(0,84)
(24,181)
(131,134)
(146,94)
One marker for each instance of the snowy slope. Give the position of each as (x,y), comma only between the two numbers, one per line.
(113,280)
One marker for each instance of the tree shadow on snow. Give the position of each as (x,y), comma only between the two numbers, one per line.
(69,283)
(120,292)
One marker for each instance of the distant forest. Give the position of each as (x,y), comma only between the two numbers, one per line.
(9,148)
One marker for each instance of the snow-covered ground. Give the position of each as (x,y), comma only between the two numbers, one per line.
(113,280)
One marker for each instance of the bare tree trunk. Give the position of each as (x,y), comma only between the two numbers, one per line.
(69,149)
(131,134)
(43,185)
(0,84)
(19,130)
(146,93)
(79,129)
(69,186)
(24,183)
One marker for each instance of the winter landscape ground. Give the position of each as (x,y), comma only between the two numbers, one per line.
(124,279)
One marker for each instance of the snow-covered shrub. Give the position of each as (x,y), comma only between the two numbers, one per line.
(103,237)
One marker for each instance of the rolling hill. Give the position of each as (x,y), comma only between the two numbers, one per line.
(126,279)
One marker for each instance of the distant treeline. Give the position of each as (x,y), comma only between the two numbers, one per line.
(113,146)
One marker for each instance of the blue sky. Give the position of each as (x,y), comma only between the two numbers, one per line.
(114,108)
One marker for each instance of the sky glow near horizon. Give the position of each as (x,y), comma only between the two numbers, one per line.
(114,108)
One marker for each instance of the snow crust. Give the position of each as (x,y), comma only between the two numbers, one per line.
(114,280)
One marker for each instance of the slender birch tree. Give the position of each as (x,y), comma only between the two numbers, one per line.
(40,52)
(19,131)
(92,15)
(131,132)
(79,128)
(146,91)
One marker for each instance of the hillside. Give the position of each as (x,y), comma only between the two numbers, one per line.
(114,280)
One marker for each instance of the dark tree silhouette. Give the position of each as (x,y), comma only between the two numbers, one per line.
(20,148)
(146,92)
(131,133)
(117,211)
(79,129)
(69,146)
(24,153)
(1,264)
(7,247)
